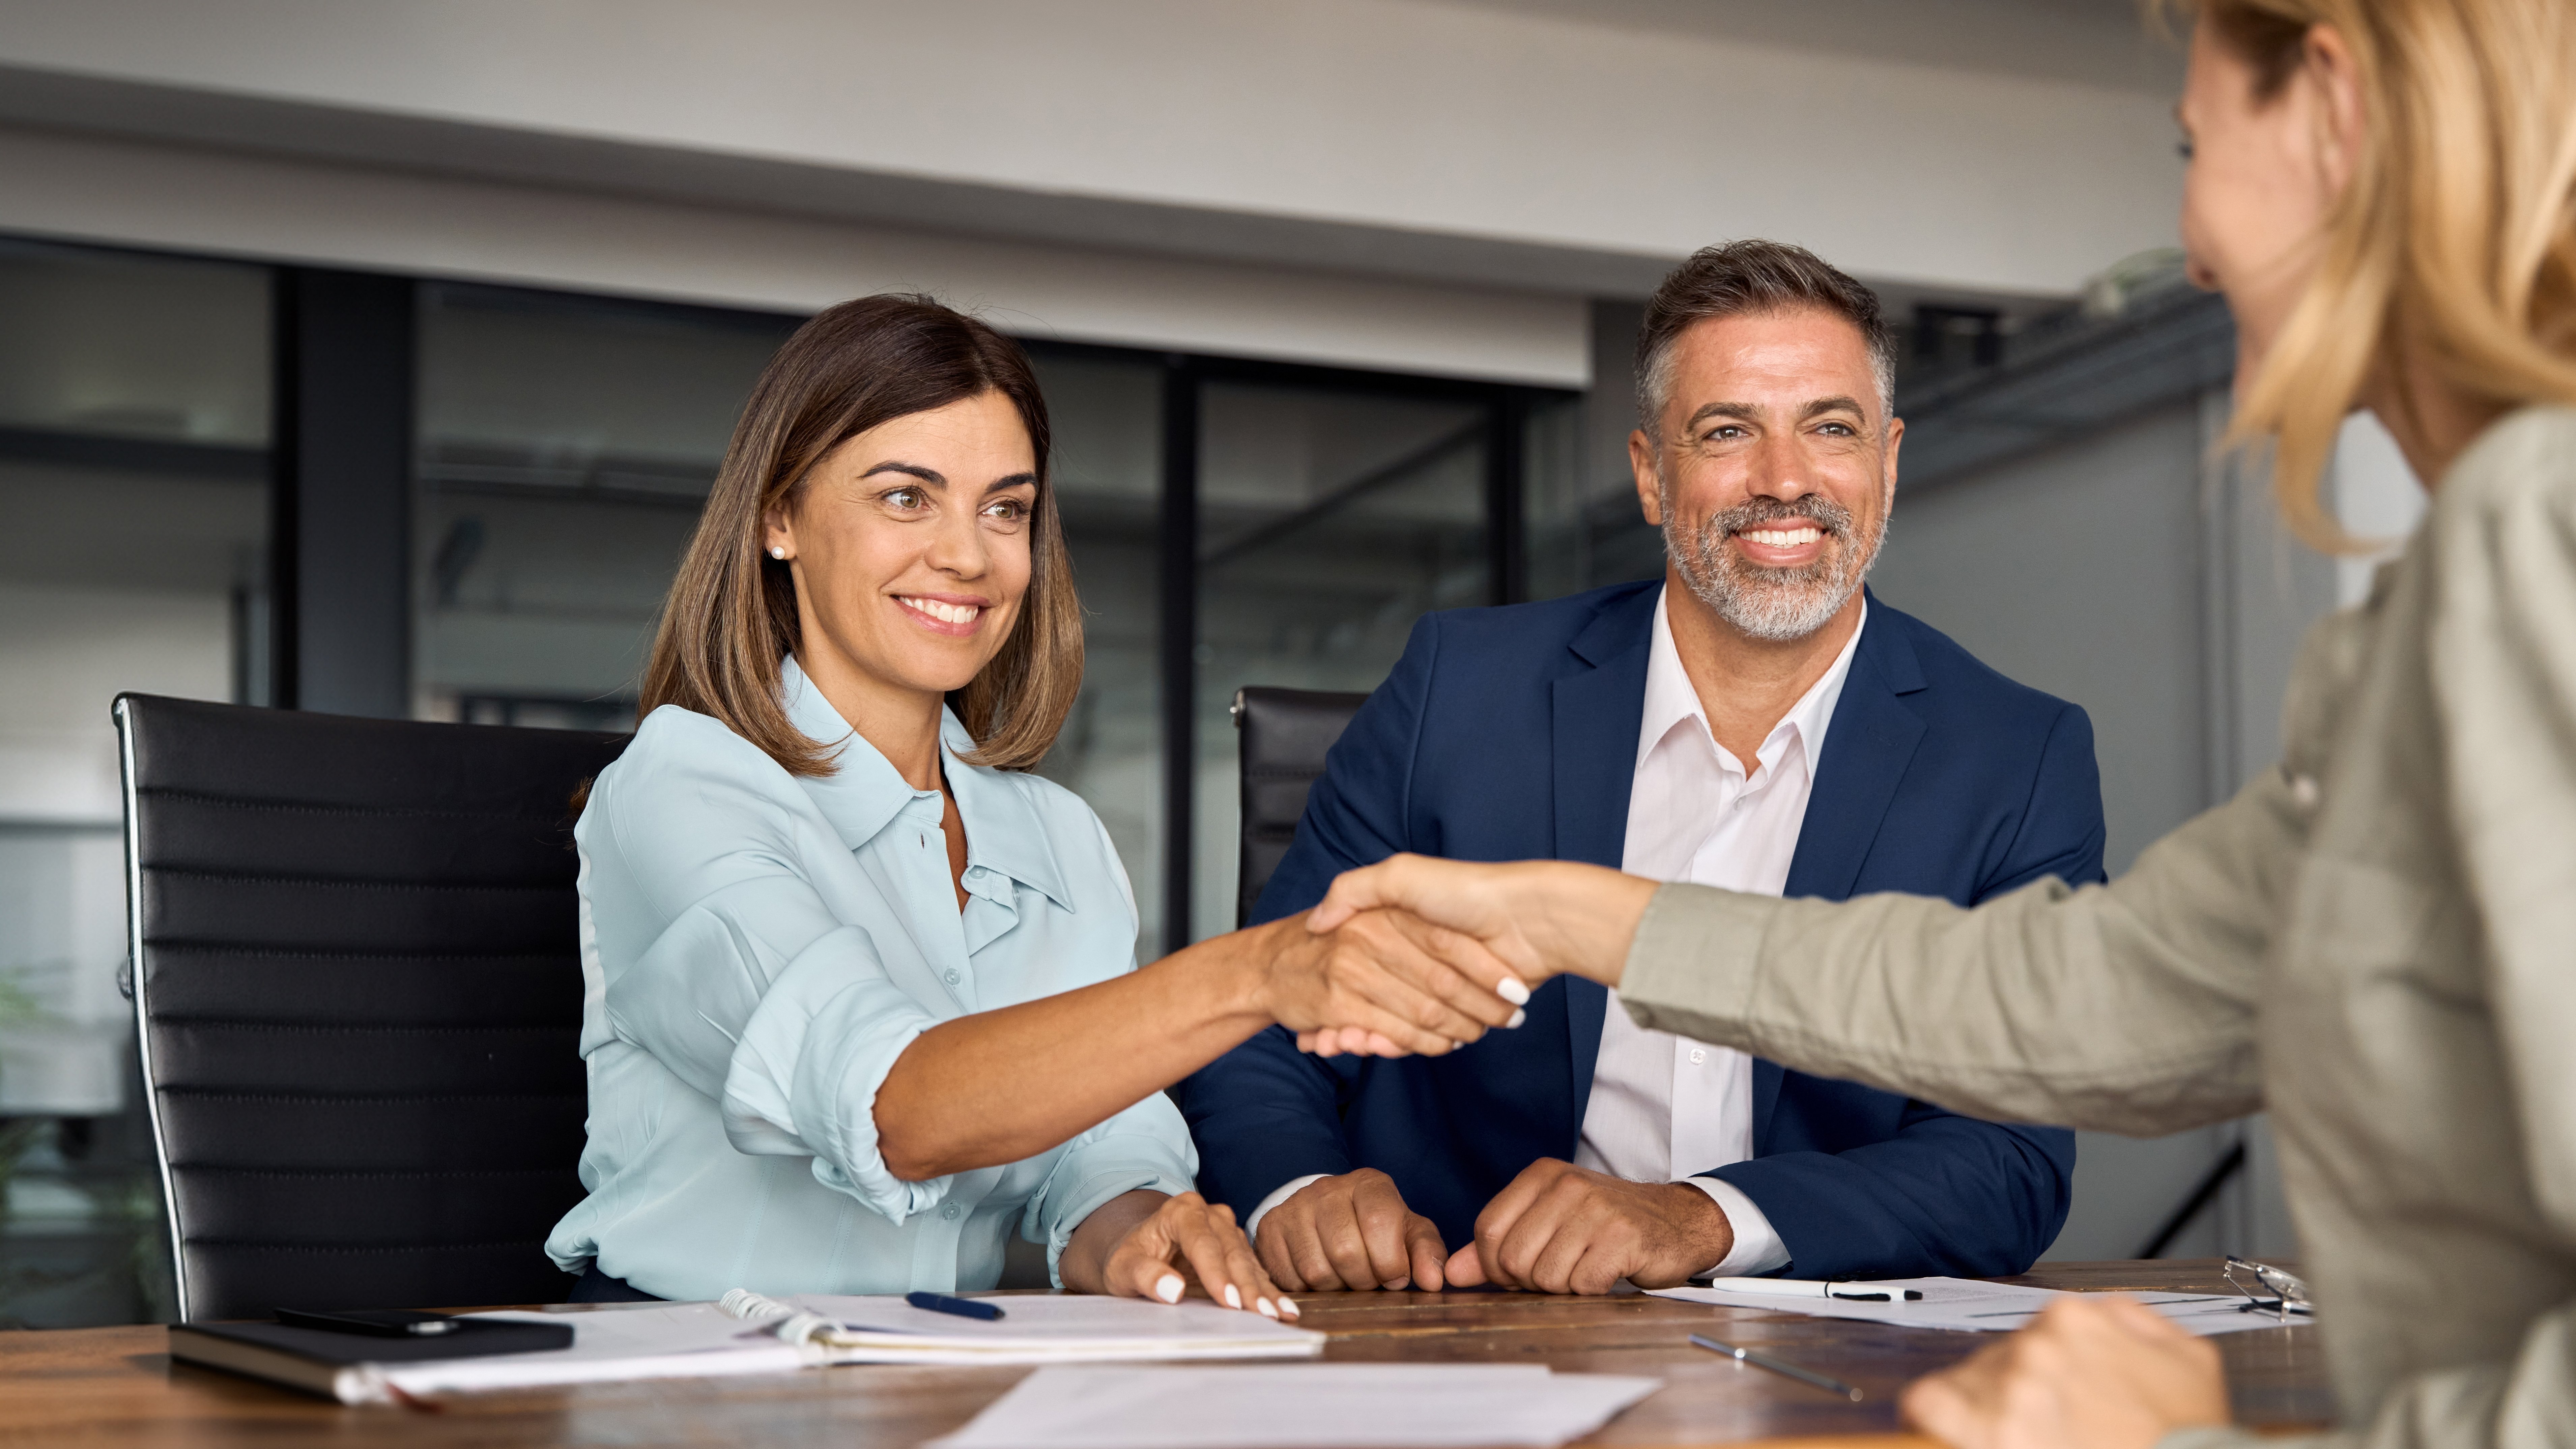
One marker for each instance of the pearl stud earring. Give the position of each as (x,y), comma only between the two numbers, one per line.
(777,552)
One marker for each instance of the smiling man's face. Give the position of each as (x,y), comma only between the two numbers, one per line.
(1775,468)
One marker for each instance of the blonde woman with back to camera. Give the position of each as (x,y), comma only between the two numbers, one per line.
(861,996)
(2375,941)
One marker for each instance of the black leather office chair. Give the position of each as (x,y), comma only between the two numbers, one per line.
(357,985)
(1284,734)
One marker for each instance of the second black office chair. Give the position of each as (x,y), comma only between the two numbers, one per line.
(1284,734)
(356,972)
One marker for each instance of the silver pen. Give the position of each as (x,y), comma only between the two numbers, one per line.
(1778,1366)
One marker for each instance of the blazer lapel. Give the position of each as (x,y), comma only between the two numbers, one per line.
(1598,707)
(1867,748)
(1766,1095)
(1594,745)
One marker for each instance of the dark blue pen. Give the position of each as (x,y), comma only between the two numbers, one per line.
(962,1307)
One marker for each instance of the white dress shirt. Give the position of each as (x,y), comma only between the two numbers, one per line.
(1665,1107)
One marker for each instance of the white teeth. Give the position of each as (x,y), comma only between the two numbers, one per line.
(1783,537)
(945,613)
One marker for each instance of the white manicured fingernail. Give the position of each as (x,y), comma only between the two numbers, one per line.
(1168,1288)
(1233,1297)
(1264,1305)
(1288,1305)
(1510,989)
(1518,1016)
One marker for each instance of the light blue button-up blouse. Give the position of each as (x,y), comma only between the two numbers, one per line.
(756,951)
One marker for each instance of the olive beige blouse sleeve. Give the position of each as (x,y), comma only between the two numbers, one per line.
(2376,941)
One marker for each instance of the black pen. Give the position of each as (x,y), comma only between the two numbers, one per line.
(962,1307)
(1777,1366)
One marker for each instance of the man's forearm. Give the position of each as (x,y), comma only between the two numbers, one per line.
(1752,1245)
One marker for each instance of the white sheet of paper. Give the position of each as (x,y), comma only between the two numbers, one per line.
(1056,1328)
(682,1340)
(1299,1406)
(1967,1305)
(694,1340)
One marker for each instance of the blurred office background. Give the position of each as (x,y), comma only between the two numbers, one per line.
(376,359)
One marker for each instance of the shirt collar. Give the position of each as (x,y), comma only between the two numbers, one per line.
(1670,698)
(865,794)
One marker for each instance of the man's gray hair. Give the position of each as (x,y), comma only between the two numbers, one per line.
(1751,277)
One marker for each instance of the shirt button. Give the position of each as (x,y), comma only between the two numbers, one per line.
(1698,1055)
(952,978)
(949,1212)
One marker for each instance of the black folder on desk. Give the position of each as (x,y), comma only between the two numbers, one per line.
(334,1365)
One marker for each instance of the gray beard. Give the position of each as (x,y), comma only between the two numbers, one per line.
(1767,603)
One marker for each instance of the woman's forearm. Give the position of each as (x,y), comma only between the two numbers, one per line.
(1086,1253)
(1001,1085)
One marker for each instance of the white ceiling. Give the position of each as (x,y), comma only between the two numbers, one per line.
(1566,148)
(2095,42)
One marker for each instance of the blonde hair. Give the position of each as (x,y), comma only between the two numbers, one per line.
(731,617)
(2454,244)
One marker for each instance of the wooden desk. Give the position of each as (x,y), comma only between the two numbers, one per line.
(117,1386)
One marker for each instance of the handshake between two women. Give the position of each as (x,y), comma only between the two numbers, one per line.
(1486,934)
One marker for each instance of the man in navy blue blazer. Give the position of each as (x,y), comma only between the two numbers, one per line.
(1753,720)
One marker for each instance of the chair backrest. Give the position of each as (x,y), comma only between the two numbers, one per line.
(357,984)
(1284,735)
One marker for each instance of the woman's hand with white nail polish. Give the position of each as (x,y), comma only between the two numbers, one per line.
(1384,983)
(1180,1241)
(1534,919)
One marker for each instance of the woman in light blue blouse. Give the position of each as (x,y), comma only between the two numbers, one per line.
(860,993)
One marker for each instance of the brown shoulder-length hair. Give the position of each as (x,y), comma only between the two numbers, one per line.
(731,617)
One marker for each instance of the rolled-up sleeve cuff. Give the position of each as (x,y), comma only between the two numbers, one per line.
(1062,1207)
(1145,1148)
(1758,1249)
(803,1080)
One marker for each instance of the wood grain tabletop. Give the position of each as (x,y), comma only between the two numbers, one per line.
(118,1387)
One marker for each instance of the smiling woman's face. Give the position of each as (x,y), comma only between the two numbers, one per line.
(910,547)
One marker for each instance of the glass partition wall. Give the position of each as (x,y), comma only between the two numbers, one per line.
(1107,416)
(1330,519)
(565,445)
(134,526)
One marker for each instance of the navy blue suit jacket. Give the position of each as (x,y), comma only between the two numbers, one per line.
(1511,734)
